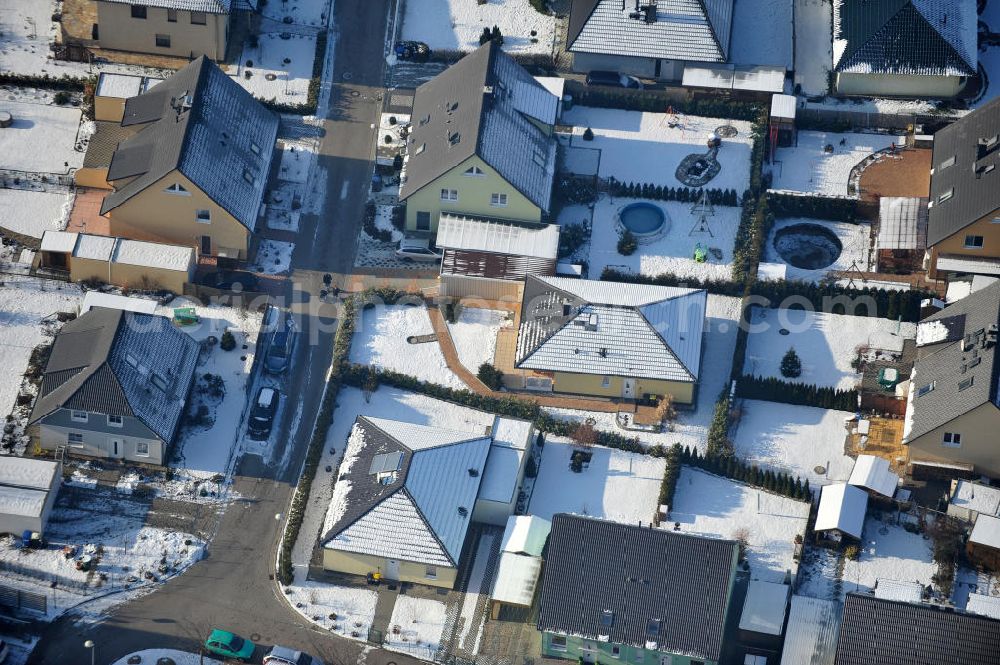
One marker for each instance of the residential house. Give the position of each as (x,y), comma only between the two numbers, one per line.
(905,48)
(481,144)
(606,339)
(180,28)
(115,386)
(953,409)
(621,592)
(888,632)
(28,490)
(520,565)
(405,497)
(963,233)
(841,512)
(188,163)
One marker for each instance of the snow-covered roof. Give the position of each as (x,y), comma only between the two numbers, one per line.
(209,6)
(58,241)
(153,255)
(984,605)
(503,464)
(734,77)
(19,501)
(95,248)
(910,592)
(811,634)
(902,222)
(536,101)
(93,299)
(971,264)
(610,328)
(679,30)
(121,86)
(525,534)
(516,579)
(470,234)
(783,106)
(27,473)
(976,497)
(764,607)
(842,507)
(556,85)
(986,531)
(871,472)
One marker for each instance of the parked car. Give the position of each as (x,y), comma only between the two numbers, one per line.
(598,77)
(281,347)
(410,50)
(232,280)
(262,413)
(229,645)
(284,656)
(417,249)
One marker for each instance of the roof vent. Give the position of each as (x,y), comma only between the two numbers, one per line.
(454,138)
(592,321)
(474,473)
(452,107)
(463,511)
(604,352)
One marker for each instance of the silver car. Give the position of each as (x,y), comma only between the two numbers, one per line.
(279,655)
(417,249)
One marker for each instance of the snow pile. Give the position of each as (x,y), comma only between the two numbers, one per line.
(274,257)
(710,505)
(807,167)
(381,341)
(455,25)
(346,611)
(31,213)
(801,440)
(854,241)
(616,485)
(475,335)
(644,148)
(825,343)
(42,138)
(416,626)
(81,480)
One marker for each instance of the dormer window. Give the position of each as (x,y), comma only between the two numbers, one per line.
(946,163)
(158,381)
(248,176)
(178,189)
(474,170)
(254,148)
(947,195)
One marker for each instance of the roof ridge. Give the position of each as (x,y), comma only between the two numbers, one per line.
(666,344)
(471,436)
(427,524)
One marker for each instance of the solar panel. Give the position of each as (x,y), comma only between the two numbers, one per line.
(385,463)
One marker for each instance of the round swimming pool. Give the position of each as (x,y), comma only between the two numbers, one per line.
(807,246)
(642,219)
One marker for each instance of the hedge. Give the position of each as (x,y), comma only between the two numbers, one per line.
(784,204)
(670,476)
(773,389)
(751,474)
(650,101)
(725,197)
(64,82)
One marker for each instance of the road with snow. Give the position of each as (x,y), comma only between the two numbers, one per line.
(232,587)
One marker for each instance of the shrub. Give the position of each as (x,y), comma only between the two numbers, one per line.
(491,376)
(627,244)
(588,134)
(228,341)
(62,97)
(485,37)
(584,434)
(571,238)
(451,313)
(670,475)
(539,6)
(718,431)
(531,467)
(496,35)
(791,366)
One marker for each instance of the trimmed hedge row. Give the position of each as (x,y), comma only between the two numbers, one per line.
(645,190)
(64,82)
(649,101)
(813,206)
(773,389)
(751,474)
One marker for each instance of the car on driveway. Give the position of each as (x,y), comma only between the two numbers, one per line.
(262,413)
(284,656)
(613,79)
(229,645)
(281,345)
(410,50)
(232,280)
(417,249)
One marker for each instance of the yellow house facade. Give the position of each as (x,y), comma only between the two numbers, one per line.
(977,442)
(399,570)
(978,241)
(164,28)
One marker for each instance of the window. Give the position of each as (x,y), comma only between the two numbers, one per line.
(203,216)
(171,15)
(952,440)
(995,220)
(177,189)
(965,383)
(198,18)
(605,382)
(449,194)
(138,11)
(75,439)
(923,390)
(474,170)
(159,381)
(79,416)
(115,421)
(142,448)
(973,242)
(423,221)
(248,176)
(946,163)
(431,573)
(254,148)
(558,643)
(420,148)
(163,41)
(607,616)
(616,651)
(947,195)
(499,200)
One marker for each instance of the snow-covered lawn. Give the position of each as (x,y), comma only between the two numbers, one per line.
(714,506)
(825,343)
(353,607)
(302,12)
(616,485)
(807,167)
(42,138)
(888,551)
(288,61)
(691,427)
(178,657)
(854,240)
(27,306)
(416,626)
(643,148)
(762,33)
(795,439)
(32,213)
(381,337)
(455,25)
(674,251)
(274,256)
(296,161)
(475,335)
(813,45)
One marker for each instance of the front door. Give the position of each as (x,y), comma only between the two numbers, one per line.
(392,569)
(206,245)
(628,388)
(117,448)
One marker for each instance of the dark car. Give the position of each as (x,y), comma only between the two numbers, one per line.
(281,346)
(613,79)
(262,413)
(410,50)
(232,280)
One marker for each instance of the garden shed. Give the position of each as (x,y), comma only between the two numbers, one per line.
(984,542)
(28,489)
(841,512)
(872,474)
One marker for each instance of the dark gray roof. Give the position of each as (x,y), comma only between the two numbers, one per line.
(946,365)
(914,37)
(887,632)
(104,361)
(639,575)
(203,124)
(210,6)
(973,179)
(478,106)
(697,30)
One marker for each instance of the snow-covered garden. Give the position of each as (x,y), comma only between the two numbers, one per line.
(455,25)
(810,167)
(274,256)
(811,249)
(42,139)
(416,626)
(280,68)
(475,335)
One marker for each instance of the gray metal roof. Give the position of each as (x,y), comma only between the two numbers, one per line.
(610,328)
(481,106)
(697,30)
(203,124)
(494,237)
(910,37)
(811,633)
(209,6)
(973,184)
(945,365)
(675,584)
(887,632)
(105,362)
(902,222)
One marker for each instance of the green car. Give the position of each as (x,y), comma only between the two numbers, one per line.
(230,645)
